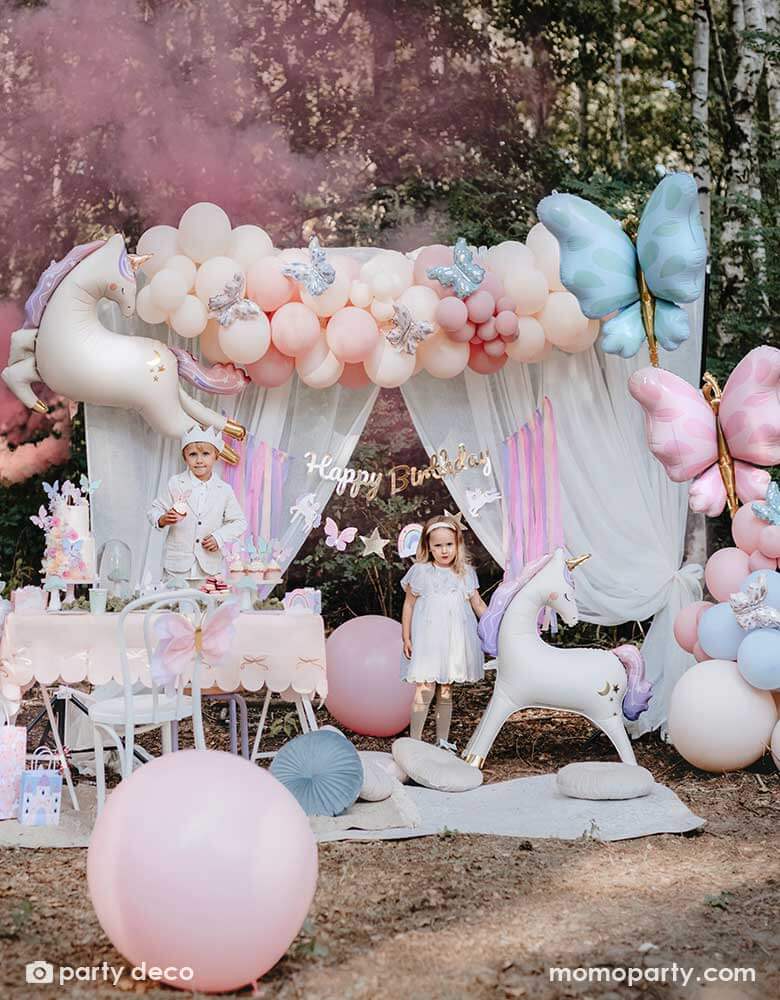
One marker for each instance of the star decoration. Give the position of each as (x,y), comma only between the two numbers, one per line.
(459,518)
(373,545)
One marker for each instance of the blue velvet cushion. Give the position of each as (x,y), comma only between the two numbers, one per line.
(322,770)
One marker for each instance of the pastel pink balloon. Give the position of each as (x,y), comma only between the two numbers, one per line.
(725,572)
(272,370)
(746,529)
(530,344)
(209,344)
(451,314)
(506,324)
(354,377)
(770,541)
(365,690)
(495,348)
(252,849)
(487,330)
(686,624)
(480,306)
(352,334)
(492,284)
(267,286)
(294,328)
(442,357)
(528,287)
(483,363)
(505,304)
(434,256)
(759,561)
(699,653)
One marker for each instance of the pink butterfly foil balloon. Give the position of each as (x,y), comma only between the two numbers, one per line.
(336,539)
(682,429)
(180,641)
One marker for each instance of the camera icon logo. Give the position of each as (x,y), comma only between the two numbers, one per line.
(39,972)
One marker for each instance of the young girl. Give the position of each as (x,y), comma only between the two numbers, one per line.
(439,629)
(200,511)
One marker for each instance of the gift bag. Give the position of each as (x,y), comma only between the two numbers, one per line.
(13,743)
(41,790)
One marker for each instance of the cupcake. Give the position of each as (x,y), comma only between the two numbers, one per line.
(273,572)
(255,570)
(236,568)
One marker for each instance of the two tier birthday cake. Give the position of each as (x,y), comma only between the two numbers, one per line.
(69,553)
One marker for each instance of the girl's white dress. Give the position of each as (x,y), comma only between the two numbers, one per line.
(445,644)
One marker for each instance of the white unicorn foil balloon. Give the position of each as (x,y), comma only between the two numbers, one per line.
(65,345)
(605,686)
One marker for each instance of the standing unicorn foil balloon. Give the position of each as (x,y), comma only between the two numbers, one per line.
(64,344)
(606,686)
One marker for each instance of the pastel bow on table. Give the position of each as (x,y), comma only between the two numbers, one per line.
(179,642)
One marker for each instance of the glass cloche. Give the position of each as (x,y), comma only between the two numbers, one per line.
(115,566)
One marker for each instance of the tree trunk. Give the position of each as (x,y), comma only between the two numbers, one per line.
(620,108)
(773,74)
(701,135)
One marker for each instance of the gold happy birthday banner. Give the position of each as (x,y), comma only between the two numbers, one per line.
(400,477)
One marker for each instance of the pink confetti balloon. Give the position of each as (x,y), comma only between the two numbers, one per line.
(506,325)
(294,329)
(482,363)
(495,348)
(451,314)
(272,370)
(770,541)
(434,256)
(759,561)
(352,334)
(267,286)
(725,572)
(480,306)
(487,330)
(686,624)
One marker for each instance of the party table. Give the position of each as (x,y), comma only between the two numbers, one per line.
(283,651)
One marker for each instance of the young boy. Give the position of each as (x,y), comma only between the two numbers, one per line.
(199,510)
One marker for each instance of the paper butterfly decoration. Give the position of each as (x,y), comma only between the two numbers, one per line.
(464,276)
(88,486)
(72,548)
(316,276)
(52,492)
(769,511)
(228,305)
(179,641)
(42,519)
(601,266)
(719,453)
(338,539)
(406,334)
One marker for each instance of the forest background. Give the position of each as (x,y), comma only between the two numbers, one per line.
(390,123)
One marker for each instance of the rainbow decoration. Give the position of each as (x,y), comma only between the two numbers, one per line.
(258,482)
(408,540)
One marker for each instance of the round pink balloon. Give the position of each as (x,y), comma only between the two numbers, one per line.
(495,348)
(505,304)
(365,690)
(352,334)
(506,325)
(769,542)
(699,653)
(487,330)
(294,328)
(272,370)
(758,560)
(202,861)
(480,306)
(746,528)
(492,284)
(434,256)
(686,624)
(267,286)
(354,377)
(725,571)
(451,314)
(483,363)
(464,334)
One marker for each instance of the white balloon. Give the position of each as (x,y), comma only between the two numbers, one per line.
(564,322)
(168,290)
(204,231)
(507,257)
(146,309)
(388,367)
(390,271)
(530,343)
(185,267)
(319,367)
(442,357)
(421,302)
(360,294)
(335,296)
(213,276)
(162,241)
(248,244)
(189,320)
(246,340)
(382,310)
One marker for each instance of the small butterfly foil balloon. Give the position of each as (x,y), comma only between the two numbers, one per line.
(750,607)
(406,334)
(316,276)
(228,305)
(769,511)
(464,276)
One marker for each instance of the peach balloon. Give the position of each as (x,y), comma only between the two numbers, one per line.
(213,275)
(758,560)
(487,330)
(585,339)
(495,348)
(483,363)
(360,294)
(209,344)
(686,624)
(185,267)
(464,335)
(562,319)
(480,306)
(272,370)
(530,341)
(493,285)
(506,325)
(528,287)
(190,319)
(451,314)
(422,302)
(168,290)
(544,247)
(505,304)
(248,244)
(319,367)
(267,286)
(335,296)
(443,357)
(294,328)
(352,334)
(725,572)
(393,271)
(433,256)
(388,367)
(160,241)
(354,377)
(770,541)
(204,231)
(508,258)
(147,309)
(746,529)
(246,340)
(382,310)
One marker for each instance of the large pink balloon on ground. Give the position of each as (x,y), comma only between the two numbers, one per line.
(202,861)
(365,690)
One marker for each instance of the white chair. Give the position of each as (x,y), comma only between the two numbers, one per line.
(121,718)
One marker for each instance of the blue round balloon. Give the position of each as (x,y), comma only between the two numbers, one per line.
(759,658)
(322,770)
(719,634)
(772,585)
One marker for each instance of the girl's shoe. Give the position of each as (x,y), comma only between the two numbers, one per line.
(446,746)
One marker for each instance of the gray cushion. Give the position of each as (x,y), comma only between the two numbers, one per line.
(604,780)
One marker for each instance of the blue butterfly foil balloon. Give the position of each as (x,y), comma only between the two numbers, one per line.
(601,266)
(464,276)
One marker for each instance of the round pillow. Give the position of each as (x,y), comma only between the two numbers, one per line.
(434,767)
(386,762)
(377,783)
(604,780)
(322,770)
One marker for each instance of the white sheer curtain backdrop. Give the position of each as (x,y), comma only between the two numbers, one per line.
(617,502)
(134,463)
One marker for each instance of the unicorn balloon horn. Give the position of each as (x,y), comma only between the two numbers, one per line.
(572,564)
(137,260)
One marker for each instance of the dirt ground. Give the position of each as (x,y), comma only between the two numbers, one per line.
(485,917)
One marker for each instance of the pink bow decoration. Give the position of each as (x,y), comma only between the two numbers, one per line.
(179,642)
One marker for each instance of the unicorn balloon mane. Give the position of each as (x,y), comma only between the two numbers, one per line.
(64,344)
(606,686)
